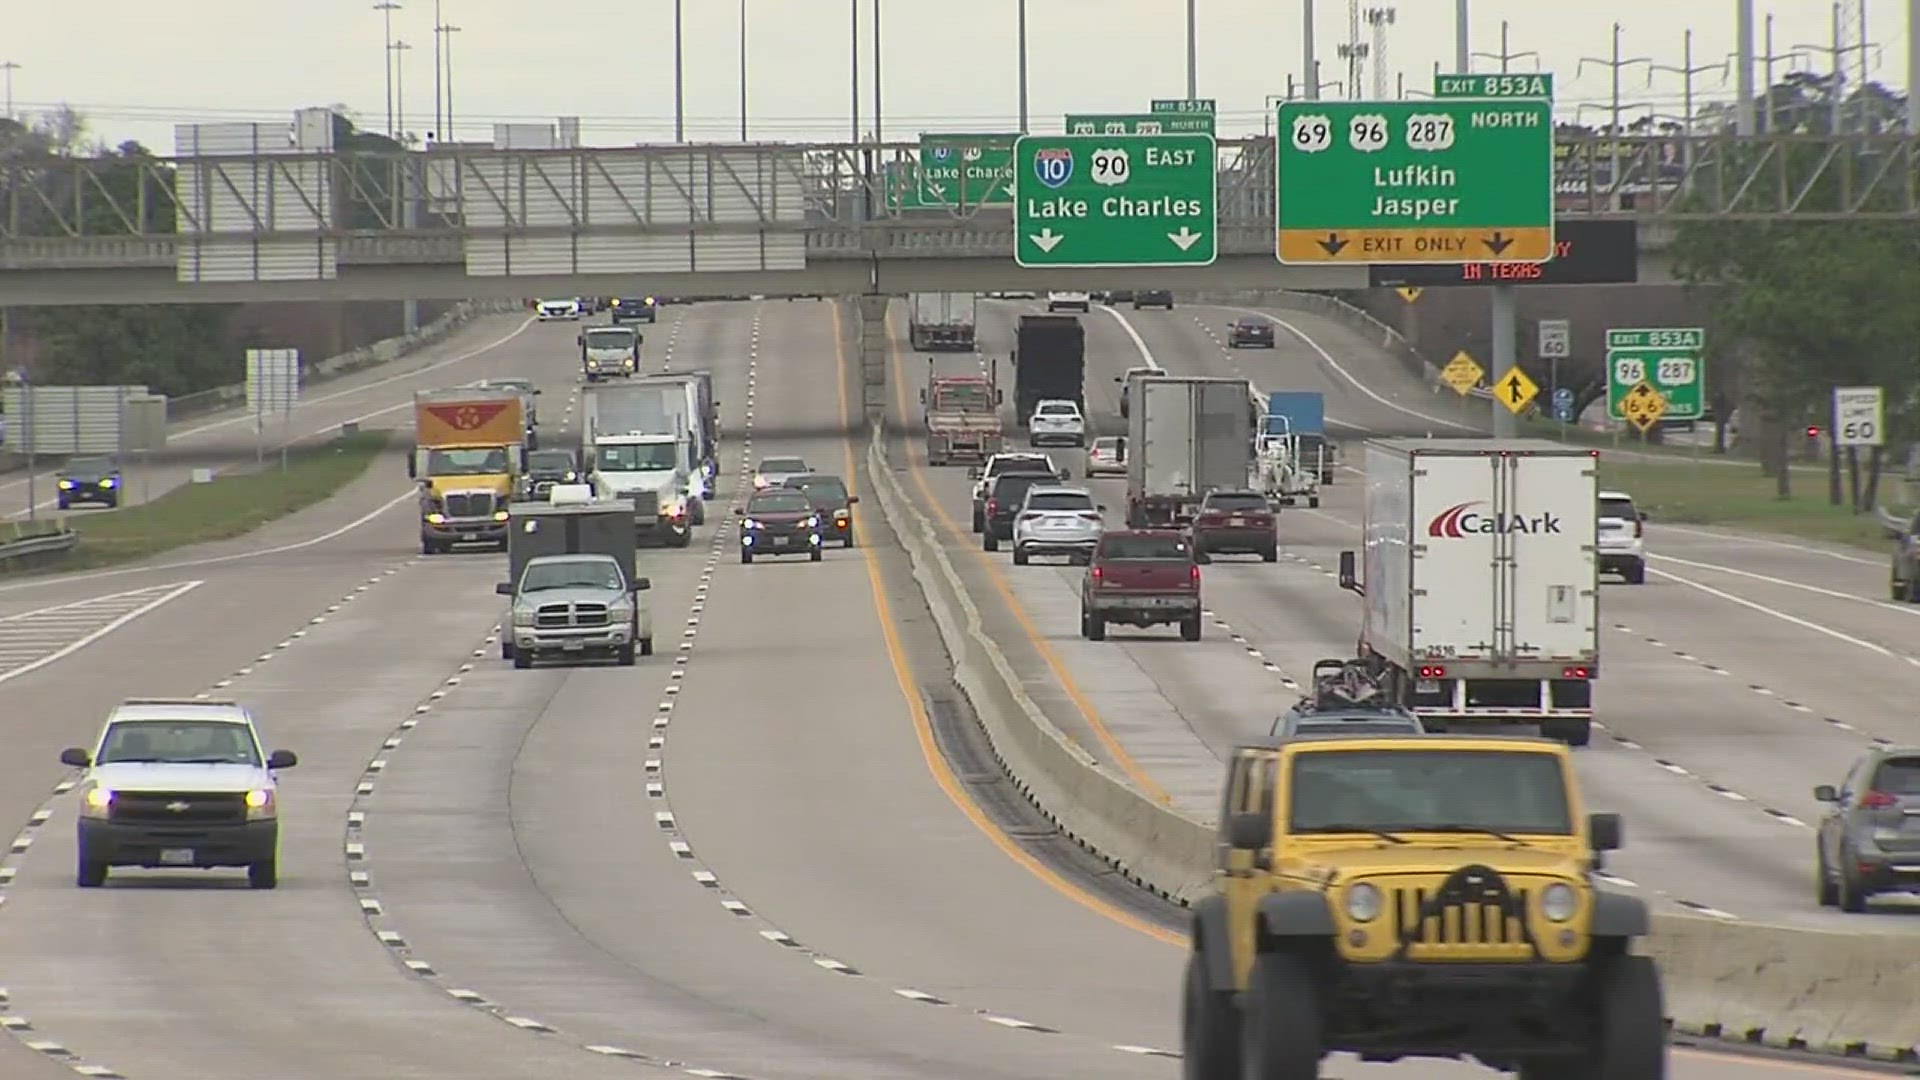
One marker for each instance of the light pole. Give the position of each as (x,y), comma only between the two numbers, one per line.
(438,75)
(679,76)
(1687,69)
(8,68)
(853,66)
(877,137)
(1193,51)
(743,70)
(400,90)
(1021,39)
(387,8)
(449,31)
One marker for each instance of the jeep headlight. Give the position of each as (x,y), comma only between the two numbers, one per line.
(1559,902)
(260,804)
(1364,902)
(99,800)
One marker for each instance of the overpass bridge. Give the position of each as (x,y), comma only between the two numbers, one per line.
(459,222)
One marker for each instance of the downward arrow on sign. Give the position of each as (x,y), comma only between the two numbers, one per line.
(1185,238)
(1046,239)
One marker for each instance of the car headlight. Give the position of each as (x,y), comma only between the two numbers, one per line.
(750,523)
(261,803)
(523,617)
(98,801)
(108,482)
(571,477)
(813,522)
(66,485)
(1558,902)
(436,519)
(759,481)
(1364,902)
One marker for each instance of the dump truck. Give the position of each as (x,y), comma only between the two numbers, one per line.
(1049,361)
(635,446)
(1481,581)
(941,321)
(1187,435)
(469,451)
(962,417)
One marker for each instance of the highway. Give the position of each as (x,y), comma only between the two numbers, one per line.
(768,850)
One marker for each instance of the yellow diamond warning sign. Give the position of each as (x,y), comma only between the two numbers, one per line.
(1516,391)
(1462,373)
(1643,406)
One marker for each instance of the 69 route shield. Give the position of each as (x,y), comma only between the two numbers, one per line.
(1053,167)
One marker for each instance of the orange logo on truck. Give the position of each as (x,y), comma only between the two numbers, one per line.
(467,417)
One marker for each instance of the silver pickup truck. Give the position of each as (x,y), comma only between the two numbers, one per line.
(576,605)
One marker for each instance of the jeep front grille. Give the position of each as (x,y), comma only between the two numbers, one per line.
(468,504)
(183,808)
(1467,932)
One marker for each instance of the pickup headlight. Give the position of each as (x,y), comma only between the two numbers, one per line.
(499,515)
(436,519)
(523,616)
(1559,902)
(1363,903)
(261,804)
(97,803)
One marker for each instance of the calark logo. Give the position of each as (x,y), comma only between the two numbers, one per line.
(466,417)
(1462,520)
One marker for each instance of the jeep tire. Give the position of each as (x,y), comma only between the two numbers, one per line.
(1209,1027)
(1629,1033)
(1280,1029)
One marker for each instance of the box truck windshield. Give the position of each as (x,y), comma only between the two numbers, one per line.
(637,457)
(476,461)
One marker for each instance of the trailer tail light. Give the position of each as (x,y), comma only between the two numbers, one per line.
(1878,800)
(1433,672)
(1576,673)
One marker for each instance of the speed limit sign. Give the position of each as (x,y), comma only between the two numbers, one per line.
(1859,416)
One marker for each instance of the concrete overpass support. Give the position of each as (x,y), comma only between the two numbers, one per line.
(875,353)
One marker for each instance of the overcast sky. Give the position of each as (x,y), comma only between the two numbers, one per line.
(137,68)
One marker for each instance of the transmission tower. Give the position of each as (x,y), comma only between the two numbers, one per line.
(1354,52)
(1380,18)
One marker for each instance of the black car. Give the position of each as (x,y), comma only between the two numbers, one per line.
(831,501)
(1009,490)
(545,468)
(635,309)
(89,480)
(780,521)
(1250,331)
(1162,298)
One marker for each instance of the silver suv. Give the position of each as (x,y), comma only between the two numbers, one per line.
(1869,840)
(1622,537)
(1057,521)
(178,783)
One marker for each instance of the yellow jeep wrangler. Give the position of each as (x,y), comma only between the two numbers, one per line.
(1416,896)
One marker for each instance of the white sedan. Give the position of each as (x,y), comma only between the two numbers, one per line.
(1058,422)
(556,310)
(1107,456)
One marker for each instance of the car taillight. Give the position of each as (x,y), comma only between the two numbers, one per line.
(1212,518)
(1193,574)
(1098,574)
(1639,529)
(993,507)
(1089,515)
(1433,672)
(1877,800)
(1576,673)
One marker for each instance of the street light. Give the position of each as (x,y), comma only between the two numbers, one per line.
(387,8)
(449,31)
(399,90)
(743,70)
(9,67)
(679,76)
(1021,39)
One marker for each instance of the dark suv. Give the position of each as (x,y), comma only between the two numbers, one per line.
(1009,490)
(635,309)
(1250,331)
(831,501)
(1906,564)
(89,480)
(1235,522)
(1162,298)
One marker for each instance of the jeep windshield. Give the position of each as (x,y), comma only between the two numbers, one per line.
(178,742)
(1498,792)
(473,462)
(572,574)
(636,457)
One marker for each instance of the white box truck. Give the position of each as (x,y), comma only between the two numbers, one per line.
(634,446)
(941,321)
(1481,580)
(1189,435)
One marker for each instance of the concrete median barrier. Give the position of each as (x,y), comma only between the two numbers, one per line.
(1826,992)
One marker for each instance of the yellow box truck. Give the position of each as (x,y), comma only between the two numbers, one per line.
(468,455)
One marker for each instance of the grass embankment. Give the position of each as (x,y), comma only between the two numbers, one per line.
(1739,496)
(234,504)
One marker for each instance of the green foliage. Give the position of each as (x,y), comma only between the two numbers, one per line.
(174,349)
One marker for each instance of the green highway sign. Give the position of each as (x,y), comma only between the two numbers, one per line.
(1139,123)
(966,170)
(1453,181)
(1184,105)
(1115,200)
(1666,358)
(1503,85)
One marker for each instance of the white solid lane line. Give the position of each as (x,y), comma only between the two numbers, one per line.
(144,601)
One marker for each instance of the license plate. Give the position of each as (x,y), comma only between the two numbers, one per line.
(181,856)
(1427,686)
(572,646)
(1237,521)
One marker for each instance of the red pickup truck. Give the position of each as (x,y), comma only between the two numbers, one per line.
(1141,577)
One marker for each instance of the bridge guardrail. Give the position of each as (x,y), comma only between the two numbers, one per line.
(32,546)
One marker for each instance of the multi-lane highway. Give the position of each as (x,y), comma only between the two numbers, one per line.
(766,851)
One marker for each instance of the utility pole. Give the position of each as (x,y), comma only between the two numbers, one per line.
(1353,51)
(743,70)
(1506,56)
(1310,67)
(1193,50)
(679,75)
(400,89)
(1763,99)
(449,31)
(7,68)
(853,52)
(1021,38)
(877,138)
(1687,70)
(1616,65)
(1838,53)
(387,8)
(1743,72)
(1462,38)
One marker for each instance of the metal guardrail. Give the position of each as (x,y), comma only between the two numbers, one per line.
(1895,524)
(50,543)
